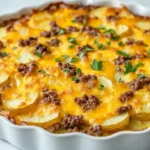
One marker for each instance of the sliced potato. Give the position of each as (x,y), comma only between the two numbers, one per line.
(125,13)
(126,78)
(23,31)
(3,32)
(40,20)
(136,125)
(116,123)
(22,102)
(3,77)
(105,81)
(143,25)
(143,113)
(40,119)
(26,57)
(99,12)
(123,30)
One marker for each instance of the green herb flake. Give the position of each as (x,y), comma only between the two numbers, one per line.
(71,40)
(64,56)
(121,43)
(111,31)
(15,47)
(88,49)
(38,54)
(74,59)
(115,38)
(146,45)
(117,69)
(141,76)
(61,31)
(96,65)
(84,24)
(78,71)
(74,78)
(149,52)
(120,80)
(58,59)
(123,53)
(73,21)
(139,64)
(81,55)
(108,43)
(3,54)
(101,87)
(129,68)
(100,46)
(61,58)
(66,70)
(72,46)
(101,27)
(42,71)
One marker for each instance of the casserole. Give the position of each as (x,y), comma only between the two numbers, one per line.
(38,146)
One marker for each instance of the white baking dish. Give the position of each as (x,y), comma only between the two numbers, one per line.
(35,138)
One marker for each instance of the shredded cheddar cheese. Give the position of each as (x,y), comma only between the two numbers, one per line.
(77,67)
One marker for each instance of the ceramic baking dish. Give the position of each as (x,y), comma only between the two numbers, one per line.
(35,138)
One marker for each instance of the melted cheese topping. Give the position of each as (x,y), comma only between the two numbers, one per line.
(22,98)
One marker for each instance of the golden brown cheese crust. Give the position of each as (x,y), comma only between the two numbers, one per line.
(71,68)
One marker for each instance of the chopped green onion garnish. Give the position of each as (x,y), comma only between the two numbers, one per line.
(96,65)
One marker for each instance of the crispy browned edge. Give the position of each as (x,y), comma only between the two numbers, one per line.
(57,5)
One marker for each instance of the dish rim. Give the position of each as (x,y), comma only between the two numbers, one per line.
(63,135)
(27,10)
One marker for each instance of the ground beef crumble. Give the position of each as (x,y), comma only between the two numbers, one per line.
(12,120)
(81,19)
(8,116)
(53,32)
(50,96)
(31,41)
(124,109)
(147,31)
(55,29)
(55,127)
(88,102)
(90,80)
(46,34)
(139,56)
(54,42)
(72,122)
(139,83)
(26,70)
(132,42)
(83,49)
(112,18)
(42,49)
(70,29)
(121,60)
(67,68)
(126,96)
(9,27)
(94,130)
(91,31)
(1,45)
(23,123)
